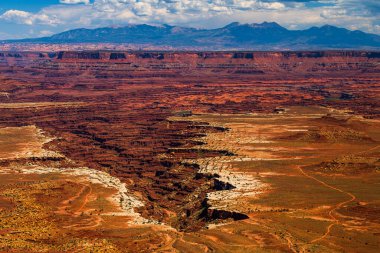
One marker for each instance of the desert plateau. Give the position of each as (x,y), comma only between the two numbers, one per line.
(188,151)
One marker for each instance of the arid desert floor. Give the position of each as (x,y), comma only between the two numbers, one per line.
(189,152)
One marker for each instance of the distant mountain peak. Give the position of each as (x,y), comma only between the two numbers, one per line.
(255,25)
(233,24)
(115,26)
(331,27)
(266,25)
(327,26)
(256,36)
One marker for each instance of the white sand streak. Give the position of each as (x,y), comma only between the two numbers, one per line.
(243,184)
(121,198)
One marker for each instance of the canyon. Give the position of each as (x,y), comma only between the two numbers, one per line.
(166,151)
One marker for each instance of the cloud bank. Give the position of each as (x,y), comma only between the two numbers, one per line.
(294,14)
(74,1)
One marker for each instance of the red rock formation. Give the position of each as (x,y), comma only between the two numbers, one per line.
(121,125)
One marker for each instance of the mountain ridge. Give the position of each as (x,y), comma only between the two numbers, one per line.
(262,36)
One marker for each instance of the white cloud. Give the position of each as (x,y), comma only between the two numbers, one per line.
(19,17)
(46,33)
(74,1)
(27,18)
(199,13)
(333,13)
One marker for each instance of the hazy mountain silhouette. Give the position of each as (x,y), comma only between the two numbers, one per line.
(264,36)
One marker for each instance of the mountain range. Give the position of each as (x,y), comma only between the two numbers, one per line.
(264,36)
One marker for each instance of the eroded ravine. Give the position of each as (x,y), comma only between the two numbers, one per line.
(231,187)
(111,116)
(122,199)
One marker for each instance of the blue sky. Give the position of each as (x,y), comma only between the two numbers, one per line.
(26,5)
(36,18)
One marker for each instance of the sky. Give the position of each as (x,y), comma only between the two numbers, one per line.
(38,18)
